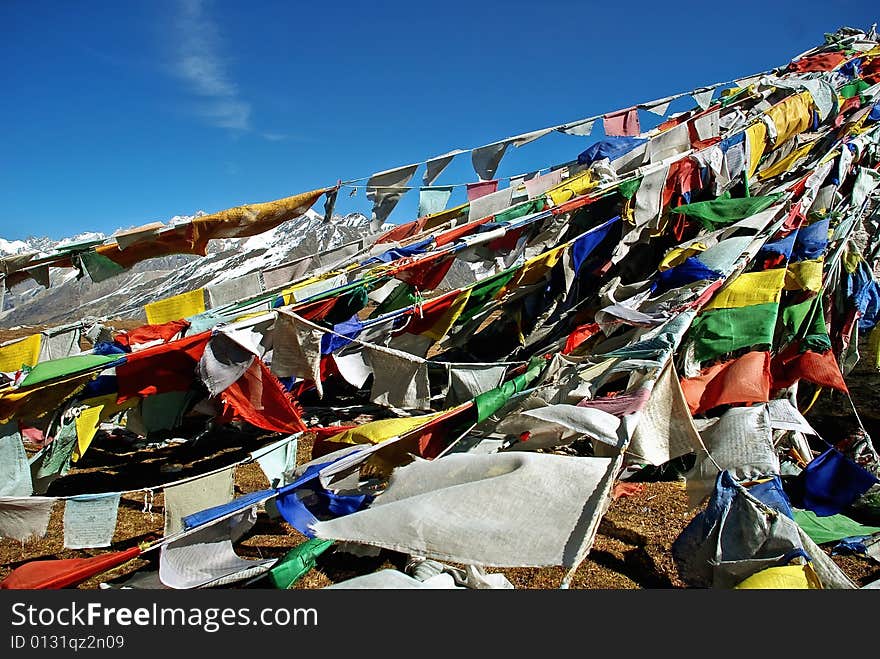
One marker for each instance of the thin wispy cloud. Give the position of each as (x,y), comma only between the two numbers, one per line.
(200,63)
(274,137)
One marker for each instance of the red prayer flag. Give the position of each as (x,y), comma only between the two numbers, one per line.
(742,380)
(149,333)
(259,398)
(580,334)
(425,273)
(820,62)
(431,312)
(55,574)
(315,311)
(457,232)
(821,369)
(684,176)
(161,368)
(403,231)
(871,71)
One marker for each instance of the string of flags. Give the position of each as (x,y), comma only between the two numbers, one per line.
(685,292)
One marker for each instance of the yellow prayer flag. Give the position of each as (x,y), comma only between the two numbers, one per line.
(786,163)
(783,577)
(176,307)
(831,155)
(533,270)
(36,402)
(24,352)
(756,141)
(86,427)
(750,288)
(678,255)
(804,276)
(376,432)
(851,261)
(252,314)
(447,320)
(874,345)
(573,187)
(791,116)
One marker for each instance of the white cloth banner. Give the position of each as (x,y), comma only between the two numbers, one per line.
(436,165)
(785,416)
(297,349)
(205,557)
(399,379)
(22,518)
(222,363)
(60,342)
(385,189)
(489,204)
(469,380)
(556,425)
(194,496)
(486,159)
(15,470)
(233,290)
(498,510)
(537,186)
(706,126)
(703,98)
(741,442)
(278,461)
(649,197)
(579,128)
(669,143)
(90,520)
(665,428)
(316,288)
(286,274)
(353,368)
(660,107)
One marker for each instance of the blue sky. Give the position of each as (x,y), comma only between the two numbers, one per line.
(120,113)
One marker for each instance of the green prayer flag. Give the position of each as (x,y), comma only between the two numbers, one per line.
(297,562)
(830,528)
(348,305)
(719,331)
(54,460)
(720,212)
(816,338)
(491,401)
(793,317)
(165,411)
(730,98)
(629,188)
(485,291)
(799,322)
(521,210)
(99,266)
(403,295)
(57,368)
(852,88)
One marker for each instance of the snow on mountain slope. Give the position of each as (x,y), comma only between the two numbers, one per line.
(124,295)
(14,247)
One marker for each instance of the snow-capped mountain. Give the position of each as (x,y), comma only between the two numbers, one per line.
(8,247)
(124,296)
